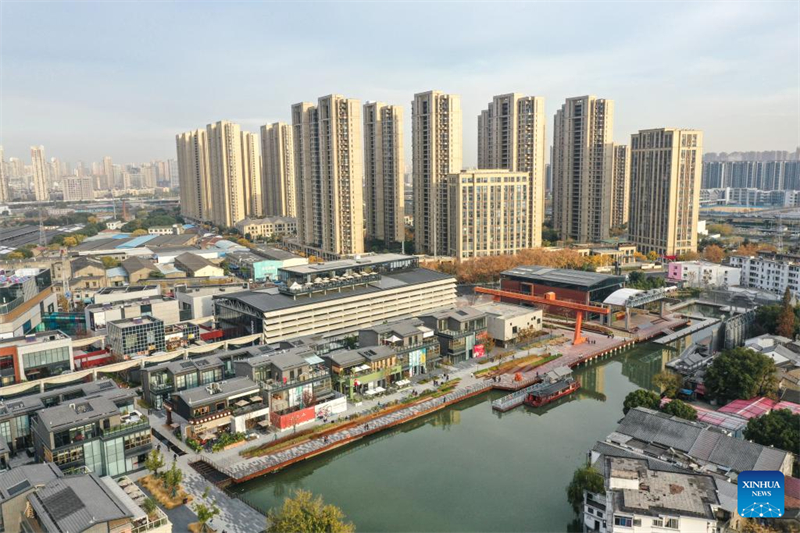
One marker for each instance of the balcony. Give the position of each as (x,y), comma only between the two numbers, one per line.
(157,388)
(243,410)
(307,377)
(143,422)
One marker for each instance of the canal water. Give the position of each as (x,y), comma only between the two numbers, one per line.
(468,468)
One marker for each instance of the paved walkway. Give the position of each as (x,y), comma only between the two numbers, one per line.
(238,517)
(235,515)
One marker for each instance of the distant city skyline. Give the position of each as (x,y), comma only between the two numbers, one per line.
(137,74)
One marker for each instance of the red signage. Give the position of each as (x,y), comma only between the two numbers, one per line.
(293,419)
(478,351)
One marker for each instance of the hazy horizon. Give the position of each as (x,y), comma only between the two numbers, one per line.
(89,79)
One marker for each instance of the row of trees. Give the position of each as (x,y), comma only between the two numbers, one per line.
(487,269)
(172,478)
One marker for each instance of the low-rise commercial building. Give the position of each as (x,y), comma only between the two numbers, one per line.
(336,298)
(119,294)
(197,302)
(296,382)
(365,371)
(164,309)
(225,406)
(132,337)
(39,497)
(703,274)
(575,285)
(34,356)
(415,344)
(461,332)
(25,294)
(92,432)
(17,414)
(505,322)
(159,382)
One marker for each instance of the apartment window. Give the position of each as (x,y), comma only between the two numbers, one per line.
(671,523)
(623,521)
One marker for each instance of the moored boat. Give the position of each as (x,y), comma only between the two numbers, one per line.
(551,392)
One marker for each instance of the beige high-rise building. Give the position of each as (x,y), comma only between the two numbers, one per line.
(308,189)
(277,156)
(582,161)
(620,189)
(666,168)
(485,208)
(511,136)
(341,160)
(108,171)
(251,168)
(383,171)
(78,189)
(38,163)
(437,153)
(195,178)
(227,173)
(4,196)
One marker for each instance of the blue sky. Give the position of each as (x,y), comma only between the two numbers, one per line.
(88,79)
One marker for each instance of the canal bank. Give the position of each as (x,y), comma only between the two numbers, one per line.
(467,468)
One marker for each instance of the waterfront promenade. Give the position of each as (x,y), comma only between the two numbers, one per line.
(240,469)
(238,517)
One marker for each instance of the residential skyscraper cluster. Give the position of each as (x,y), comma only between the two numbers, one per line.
(338,168)
(46,179)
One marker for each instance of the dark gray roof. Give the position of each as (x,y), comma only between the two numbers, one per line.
(21,478)
(33,402)
(83,261)
(405,327)
(460,314)
(275,254)
(290,359)
(376,353)
(563,276)
(345,358)
(85,410)
(271,300)
(707,445)
(135,264)
(193,261)
(201,363)
(76,503)
(230,387)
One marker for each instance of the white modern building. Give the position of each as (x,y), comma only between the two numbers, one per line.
(703,274)
(504,322)
(336,298)
(769,271)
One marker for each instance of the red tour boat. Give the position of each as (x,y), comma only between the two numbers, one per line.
(551,392)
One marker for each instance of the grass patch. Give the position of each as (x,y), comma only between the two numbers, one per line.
(164,495)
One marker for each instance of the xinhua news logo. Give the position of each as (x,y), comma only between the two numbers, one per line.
(760,494)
